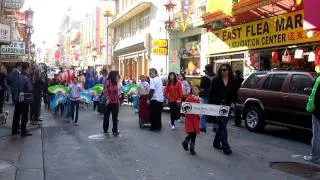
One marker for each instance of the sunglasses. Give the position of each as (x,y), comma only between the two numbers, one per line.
(223,70)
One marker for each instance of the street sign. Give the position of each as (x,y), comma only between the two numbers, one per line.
(14,48)
(160,43)
(5,35)
(13,4)
(160,51)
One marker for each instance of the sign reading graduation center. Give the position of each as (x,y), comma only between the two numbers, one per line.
(14,48)
(280,30)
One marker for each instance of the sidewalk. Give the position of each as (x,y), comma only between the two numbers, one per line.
(20,158)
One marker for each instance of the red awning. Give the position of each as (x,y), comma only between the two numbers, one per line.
(311,14)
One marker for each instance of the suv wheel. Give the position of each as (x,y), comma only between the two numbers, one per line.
(253,119)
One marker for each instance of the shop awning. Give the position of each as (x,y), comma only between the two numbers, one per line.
(311,14)
(128,14)
(251,10)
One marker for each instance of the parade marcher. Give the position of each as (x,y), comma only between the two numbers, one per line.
(111,93)
(12,79)
(204,94)
(37,95)
(155,100)
(222,92)
(238,79)
(192,122)
(3,86)
(313,107)
(144,89)
(90,77)
(185,90)
(96,101)
(23,98)
(75,90)
(173,91)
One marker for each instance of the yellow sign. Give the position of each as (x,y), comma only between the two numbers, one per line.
(159,43)
(223,5)
(160,51)
(281,30)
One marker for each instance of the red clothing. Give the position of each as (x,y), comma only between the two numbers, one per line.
(144,108)
(111,92)
(192,120)
(173,92)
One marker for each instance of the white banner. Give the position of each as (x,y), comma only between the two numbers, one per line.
(14,48)
(5,34)
(205,109)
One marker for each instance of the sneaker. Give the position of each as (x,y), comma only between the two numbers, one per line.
(203,130)
(173,127)
(192,151)
(227,151)
(311,158)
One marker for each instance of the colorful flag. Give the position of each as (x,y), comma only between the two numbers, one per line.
(186,7)
(219,5)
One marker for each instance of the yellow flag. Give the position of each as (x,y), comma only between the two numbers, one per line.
(298,2)
(219,5)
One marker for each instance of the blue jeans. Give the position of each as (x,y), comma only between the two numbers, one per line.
(203,119)
(315,152)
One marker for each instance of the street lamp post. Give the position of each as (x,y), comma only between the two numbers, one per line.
(107,15)
(94,56)
(169,24)
(29,29)
(32,51)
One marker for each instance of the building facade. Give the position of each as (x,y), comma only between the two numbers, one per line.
(135,26)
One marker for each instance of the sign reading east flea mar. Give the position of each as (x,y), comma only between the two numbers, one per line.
(14,48)
(5,34)
(205,109)
(280,30)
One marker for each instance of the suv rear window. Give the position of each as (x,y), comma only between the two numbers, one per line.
(252,81)
(274,82)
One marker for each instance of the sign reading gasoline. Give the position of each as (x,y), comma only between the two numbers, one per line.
(160,46)
(281,30)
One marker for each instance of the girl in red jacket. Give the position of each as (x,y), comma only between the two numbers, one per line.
(173,91)
(192,122)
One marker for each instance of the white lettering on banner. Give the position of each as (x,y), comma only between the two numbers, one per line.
(205,109)
(15,48)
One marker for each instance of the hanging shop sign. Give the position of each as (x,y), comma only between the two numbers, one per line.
(5,34)
(281,30)
(14,48)
(186,7)
(160,46)
(13,4)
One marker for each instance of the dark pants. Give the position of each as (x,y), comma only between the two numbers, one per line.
(75,110)
(174,111)
(155,114)
(221,137)
(21,112)
(112,108)
(191,137)
(35,110)
(2,99)
(237,117)
(95,105)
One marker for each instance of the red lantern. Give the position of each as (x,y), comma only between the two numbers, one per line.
(275,57)
(57,55)
(317,57)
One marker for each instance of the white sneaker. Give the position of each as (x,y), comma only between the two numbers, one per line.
(311,158)
(173,127)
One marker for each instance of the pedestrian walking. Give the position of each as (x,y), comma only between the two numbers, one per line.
(204,94)
(222,93)
(96,101)
(111,93)
(23,98)
(144,89)
(192,122)
(37,96)
(13,80)
(314,99)
(238,79)
(3,86)
(173,91)
(155,100)
(186,89)
(75,90)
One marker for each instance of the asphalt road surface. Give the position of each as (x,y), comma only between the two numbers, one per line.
(69,153)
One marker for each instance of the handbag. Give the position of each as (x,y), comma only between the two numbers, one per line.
(311,57)
(298,54)
(286,58)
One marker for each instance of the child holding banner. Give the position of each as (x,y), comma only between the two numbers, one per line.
(192,122)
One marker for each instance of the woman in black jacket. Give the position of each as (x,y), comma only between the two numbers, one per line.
(222,92)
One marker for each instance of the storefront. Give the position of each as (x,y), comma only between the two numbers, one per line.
(272,43)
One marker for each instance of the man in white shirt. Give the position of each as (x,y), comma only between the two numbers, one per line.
(155,100)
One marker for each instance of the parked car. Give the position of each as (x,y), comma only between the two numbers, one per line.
(276,97)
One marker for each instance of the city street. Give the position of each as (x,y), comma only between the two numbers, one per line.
(60,150)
